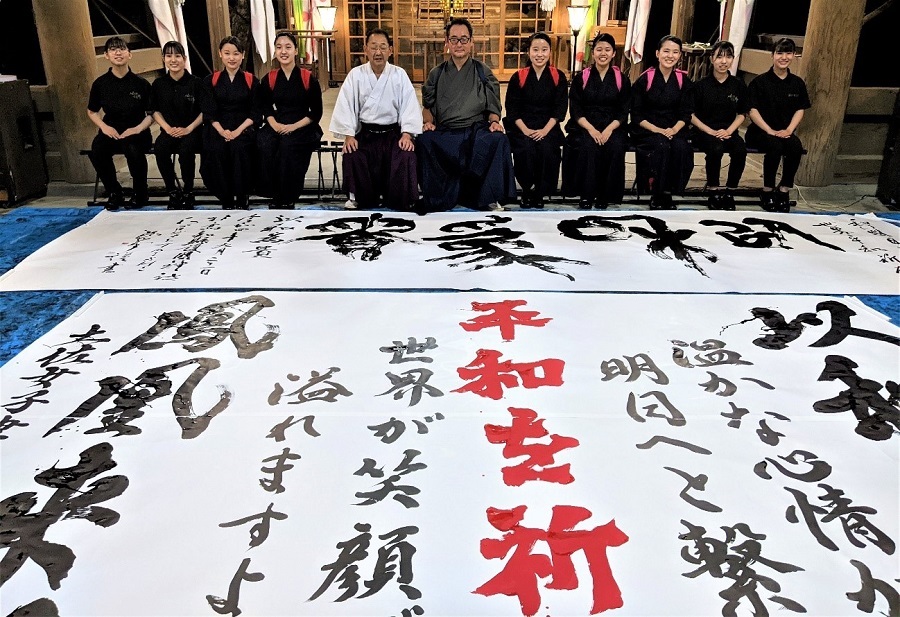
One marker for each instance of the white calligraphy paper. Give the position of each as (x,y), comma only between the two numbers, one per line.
(729,394)
(685,251)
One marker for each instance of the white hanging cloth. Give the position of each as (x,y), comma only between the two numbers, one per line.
(740,24)
(638,16)
(169,19)
(604,12)
(262,27)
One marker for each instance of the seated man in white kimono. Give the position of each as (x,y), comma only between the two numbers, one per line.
(464,154)
(377,114)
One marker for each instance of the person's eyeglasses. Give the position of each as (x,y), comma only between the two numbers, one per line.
(463,40)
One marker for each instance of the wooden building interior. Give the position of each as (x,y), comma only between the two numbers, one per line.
(846,132)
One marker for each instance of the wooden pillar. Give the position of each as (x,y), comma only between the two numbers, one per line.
(70,66)
(832,35)
(219,27)
(683,19)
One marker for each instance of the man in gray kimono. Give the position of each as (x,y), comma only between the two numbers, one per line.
(463,153)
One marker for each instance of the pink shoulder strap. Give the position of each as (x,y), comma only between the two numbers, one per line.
(650,73)
(616,72)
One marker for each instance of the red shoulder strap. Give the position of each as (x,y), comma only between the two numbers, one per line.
(618,75)
(215,78)
(554,73)
(305,75)
(248,77)
(523,75)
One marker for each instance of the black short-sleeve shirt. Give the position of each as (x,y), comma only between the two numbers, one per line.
(125,101)
(717,104)
(178,101)
(776,99)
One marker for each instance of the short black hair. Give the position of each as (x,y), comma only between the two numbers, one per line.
(459,21)
(667,38)
(785,45)
(173,47)
(382,32)
(724,48)
(604,37)
(537,36)
(114,42)
(287,34)
(232,40)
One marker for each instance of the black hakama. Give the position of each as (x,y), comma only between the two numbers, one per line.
(227,167)
(536,163)
(667,163)
(596,173)
(469,167)
(284,159)
(379,167)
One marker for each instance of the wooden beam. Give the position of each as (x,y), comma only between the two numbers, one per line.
(875,101)
(832,35)
(70,69)
(683,19)
(219,27)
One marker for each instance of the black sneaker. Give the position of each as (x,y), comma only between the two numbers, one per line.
(137,202)
(714,201)
(242,202)
(663,201)
(176,199)
(767,201)
(586,203)
(188,201)
(114,202)
(726,200)
(601,205)
(782,202)
(525,201)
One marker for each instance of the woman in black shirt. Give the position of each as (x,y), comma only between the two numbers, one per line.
(291,100)
(229,143)
(175,100)
(777,100)
(720,107)
(660,110)
(594,154)
(535,106)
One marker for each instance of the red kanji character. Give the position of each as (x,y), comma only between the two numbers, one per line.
(519,575)
(525,425)
(504,316)
(487,375)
